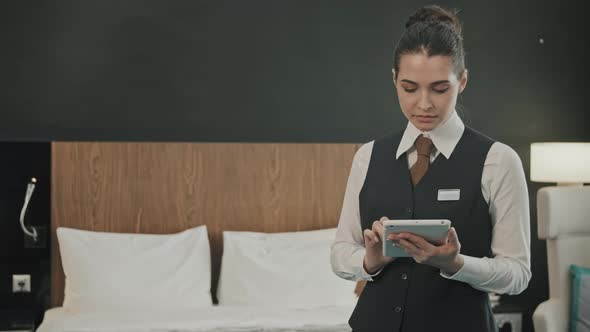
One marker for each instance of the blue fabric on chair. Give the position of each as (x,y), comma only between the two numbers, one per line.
(580,309)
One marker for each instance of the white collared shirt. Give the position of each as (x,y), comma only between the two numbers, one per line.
(504,188)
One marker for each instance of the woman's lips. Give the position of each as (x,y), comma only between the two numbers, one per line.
(425,118)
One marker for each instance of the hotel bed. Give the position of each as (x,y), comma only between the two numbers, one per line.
(197,237)
(214,319)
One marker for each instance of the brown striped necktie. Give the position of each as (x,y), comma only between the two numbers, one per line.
(423,147)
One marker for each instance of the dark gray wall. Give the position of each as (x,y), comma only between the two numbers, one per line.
(281,71)
(302,70)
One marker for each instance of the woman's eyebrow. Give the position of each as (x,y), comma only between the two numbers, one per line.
(431,84)
(408,81)
(439,82)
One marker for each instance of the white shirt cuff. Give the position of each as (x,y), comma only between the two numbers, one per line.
(473,271)
(358,258)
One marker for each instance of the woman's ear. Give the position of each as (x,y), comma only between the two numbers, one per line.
(463,81)
(393,73)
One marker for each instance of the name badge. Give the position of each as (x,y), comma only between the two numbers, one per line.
(449,194)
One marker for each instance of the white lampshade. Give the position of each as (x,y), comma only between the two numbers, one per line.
(564,163)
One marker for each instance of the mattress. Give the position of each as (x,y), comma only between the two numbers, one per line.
(215,319)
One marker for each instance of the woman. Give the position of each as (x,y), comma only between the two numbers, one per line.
(402,176)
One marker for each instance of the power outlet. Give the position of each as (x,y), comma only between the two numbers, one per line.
(21,283)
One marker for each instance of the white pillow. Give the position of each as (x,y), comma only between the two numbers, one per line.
(281,269)
(135,272)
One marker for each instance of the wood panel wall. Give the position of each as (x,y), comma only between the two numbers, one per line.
(169,187)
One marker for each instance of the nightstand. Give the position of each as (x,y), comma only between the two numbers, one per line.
(508,318)
(16,321)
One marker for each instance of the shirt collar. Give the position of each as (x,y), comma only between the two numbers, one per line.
(444,137)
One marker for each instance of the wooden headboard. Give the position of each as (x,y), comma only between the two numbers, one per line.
(169,187)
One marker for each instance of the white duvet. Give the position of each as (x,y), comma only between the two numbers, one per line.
(216,319)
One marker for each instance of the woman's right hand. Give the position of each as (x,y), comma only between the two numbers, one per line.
(374,259)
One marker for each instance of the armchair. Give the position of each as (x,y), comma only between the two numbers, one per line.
(564,221)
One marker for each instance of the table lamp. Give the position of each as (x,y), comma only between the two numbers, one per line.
(562,163)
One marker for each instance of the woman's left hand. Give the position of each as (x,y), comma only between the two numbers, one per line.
(445,257)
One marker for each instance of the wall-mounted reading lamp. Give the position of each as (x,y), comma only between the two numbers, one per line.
(30,189)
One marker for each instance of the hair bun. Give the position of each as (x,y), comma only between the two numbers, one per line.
(435,14)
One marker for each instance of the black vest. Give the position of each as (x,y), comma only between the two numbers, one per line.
(411,297)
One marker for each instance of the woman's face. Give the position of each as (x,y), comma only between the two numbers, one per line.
(427,88)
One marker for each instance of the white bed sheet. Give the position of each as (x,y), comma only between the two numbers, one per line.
(215,319)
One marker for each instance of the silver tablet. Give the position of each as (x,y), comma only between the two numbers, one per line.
(432,230)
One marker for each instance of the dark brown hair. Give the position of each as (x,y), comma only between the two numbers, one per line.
(434,31)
